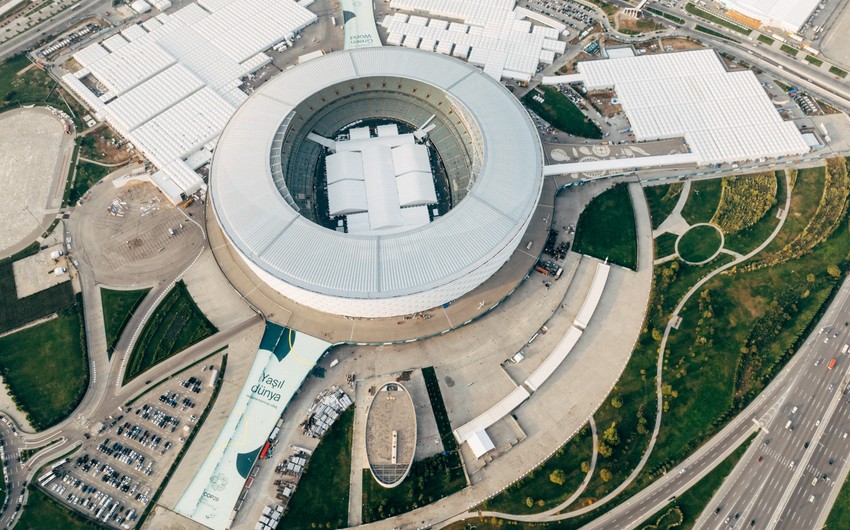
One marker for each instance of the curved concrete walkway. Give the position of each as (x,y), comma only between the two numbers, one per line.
(658,383)
(716,252)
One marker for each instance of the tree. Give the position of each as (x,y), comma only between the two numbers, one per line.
(611,436)
(558,477)
(834,271)
(529,502)
(605,475)
(617,402)
(657,335)
(585,466)
(605,449)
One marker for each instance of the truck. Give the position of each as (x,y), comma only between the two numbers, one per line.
(831,364)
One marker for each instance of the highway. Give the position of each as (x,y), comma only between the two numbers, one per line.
(783,479)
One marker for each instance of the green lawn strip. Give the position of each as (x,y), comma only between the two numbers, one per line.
(429,480)
(699,243)
(691,503)
(805,196)
(321,498)
(694,10)
(814,60)
(15,312)
(765,39)
(765,313)
(606,228)
(661,200)
(668,16)
(702,201)
(751,237)
(839,516)
(88,175)
(45,367)
(709,31)
(176,324)
(441,416)
(537,489)
(789,50)
(43,512)
(561,113)
(665,244)
(34,87)
(834,70)
(118,307)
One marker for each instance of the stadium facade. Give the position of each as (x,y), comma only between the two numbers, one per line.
(269,185)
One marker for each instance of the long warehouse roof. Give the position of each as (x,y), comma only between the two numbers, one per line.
(276,238)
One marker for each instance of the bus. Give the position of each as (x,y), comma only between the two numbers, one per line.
(831,364)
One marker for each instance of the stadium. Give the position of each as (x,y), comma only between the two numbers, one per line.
(377,182)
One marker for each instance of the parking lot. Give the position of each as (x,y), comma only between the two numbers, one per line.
(125,458)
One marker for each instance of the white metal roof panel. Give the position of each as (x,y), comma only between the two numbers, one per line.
(554,359)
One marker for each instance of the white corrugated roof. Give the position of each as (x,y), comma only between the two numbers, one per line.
(786,14)
(269,233)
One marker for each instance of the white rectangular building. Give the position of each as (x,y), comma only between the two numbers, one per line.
(170,84)
(788,15)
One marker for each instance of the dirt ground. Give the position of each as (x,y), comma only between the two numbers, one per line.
(637,25)
(602,100)
(104,145)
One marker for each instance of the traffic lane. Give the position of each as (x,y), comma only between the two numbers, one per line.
(59,23)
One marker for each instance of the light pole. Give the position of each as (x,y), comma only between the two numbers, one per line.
(27,208)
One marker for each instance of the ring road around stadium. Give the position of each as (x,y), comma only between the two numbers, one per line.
(321,220)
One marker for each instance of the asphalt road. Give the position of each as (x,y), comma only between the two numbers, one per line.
(783,479)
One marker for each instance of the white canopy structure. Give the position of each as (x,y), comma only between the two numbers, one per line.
(170,84)
(789,15)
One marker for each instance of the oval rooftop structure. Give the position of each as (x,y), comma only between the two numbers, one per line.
(486,143)
(391,434)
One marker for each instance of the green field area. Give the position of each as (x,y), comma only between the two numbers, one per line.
(690,504)
(561,113)
(15,312)
(806,191)
(694,10)
(814,60)
(118,307)
(839,516)
(665,244)
(46,369)
(746,240)
(88,175)
(661,200)
(538,485)
(709,31)
(668,16)
(789,50)
(34,86)
(834,70)
(176,324)
(702,201)
(321,498)
(765,39)
(699,243)
(429,479)
(606,228)
(42,512)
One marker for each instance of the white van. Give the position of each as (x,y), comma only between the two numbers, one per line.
(788,425)
(845,348)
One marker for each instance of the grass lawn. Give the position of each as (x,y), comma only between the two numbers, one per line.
(537,486)
(43,512)
(606,228)
(668,16)
(561,113)
(834,70)
(839,517)
(805,197)
(814,60)
(118,307)
(751,237)
(34,86)
(87,176)
(699,243)
(703,201)
(709,31)
(15,312)
(45,367)
(691,503)
(176,324)
(661,200)
(665,244)
(322,494)
(694,10)
(789,50)
(765,39)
